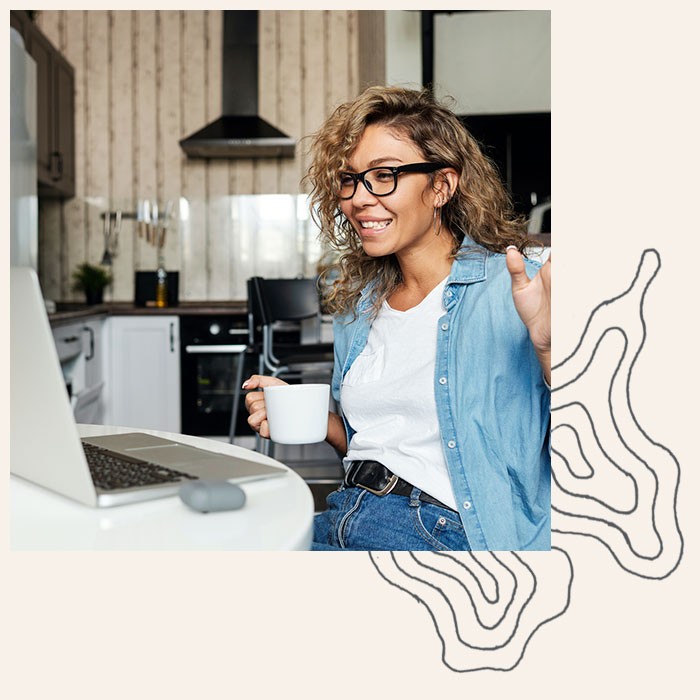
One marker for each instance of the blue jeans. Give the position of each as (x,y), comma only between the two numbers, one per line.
(358,520)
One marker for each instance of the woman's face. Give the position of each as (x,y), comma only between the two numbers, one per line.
(399,223)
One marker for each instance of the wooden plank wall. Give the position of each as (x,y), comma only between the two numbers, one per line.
(144,80)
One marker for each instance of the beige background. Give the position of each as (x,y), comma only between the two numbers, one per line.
(625,151)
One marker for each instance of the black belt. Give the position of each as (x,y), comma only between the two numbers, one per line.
(377,479)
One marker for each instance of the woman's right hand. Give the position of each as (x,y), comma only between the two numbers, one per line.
(255,402)
(257,420)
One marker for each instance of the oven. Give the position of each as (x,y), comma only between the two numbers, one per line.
(214,361)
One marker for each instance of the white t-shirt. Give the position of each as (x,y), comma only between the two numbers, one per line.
(388,397)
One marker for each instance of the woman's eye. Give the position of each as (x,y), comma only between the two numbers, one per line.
(383,176)
(346,180)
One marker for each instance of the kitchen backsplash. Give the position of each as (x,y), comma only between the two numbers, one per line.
(271,235)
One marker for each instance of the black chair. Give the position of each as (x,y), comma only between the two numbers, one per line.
(277,312)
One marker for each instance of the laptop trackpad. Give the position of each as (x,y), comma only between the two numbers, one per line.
(172,455)
(233,469)
(206,465)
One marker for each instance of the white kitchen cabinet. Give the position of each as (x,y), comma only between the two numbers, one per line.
(80,349)
(91,408)
(144,372)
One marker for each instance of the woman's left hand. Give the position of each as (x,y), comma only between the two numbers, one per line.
(532,299)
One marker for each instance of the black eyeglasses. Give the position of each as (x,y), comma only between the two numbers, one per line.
(381,181)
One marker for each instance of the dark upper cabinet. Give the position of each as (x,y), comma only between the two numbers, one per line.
(55,80)
(63,154)
(19,20)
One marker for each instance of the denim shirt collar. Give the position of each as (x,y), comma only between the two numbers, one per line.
(469,266)
(470,263)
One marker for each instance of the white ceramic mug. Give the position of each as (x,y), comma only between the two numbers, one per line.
(297,413)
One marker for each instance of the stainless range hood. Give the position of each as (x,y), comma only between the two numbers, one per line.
(240,132)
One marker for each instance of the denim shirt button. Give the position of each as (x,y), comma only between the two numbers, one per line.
(467,505)
(443,380)
(445,326)
(452,444)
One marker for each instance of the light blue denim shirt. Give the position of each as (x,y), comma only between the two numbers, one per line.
(492,402)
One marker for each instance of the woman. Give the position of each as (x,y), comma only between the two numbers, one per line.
(441,332)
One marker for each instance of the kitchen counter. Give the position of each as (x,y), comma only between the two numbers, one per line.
(71,311)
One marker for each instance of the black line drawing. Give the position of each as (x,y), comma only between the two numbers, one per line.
(611,482)
(479,632)
(615,484)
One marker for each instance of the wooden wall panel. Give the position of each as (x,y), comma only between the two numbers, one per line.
(75,209)
(193,63)
(122,184)
(145,131)
(144,80)
(169,128)
(337,51)
(97,132)
(267,170)
(315,72)
(353,56)
(50,24)
(289,94)
(371,59)
(51,248)
(218,238)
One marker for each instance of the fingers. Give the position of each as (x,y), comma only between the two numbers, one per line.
(516,267)
(255,402)
(262,428)
(258,381)
(257,419)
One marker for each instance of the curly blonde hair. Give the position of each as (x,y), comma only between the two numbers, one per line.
(480,207)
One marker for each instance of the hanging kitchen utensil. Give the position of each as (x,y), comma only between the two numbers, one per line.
(115,232)
(146,212)
(166,223)
(168,210)
(155,218)
(139,218)
(106,256)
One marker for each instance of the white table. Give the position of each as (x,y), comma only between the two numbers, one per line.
(277,515)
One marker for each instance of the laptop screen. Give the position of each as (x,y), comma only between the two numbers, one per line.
(44,443)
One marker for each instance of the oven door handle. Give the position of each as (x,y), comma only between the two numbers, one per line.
(220,349)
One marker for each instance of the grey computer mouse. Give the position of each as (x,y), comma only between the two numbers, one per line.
(212,496)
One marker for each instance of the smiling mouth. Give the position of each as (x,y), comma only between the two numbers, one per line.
(374,226)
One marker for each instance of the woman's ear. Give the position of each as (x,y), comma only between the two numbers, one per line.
(445,186)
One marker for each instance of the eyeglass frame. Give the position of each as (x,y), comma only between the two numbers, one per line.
(396,170)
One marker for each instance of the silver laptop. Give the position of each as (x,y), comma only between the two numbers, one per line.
(45,447)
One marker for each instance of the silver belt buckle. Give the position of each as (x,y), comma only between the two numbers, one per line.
(387,489)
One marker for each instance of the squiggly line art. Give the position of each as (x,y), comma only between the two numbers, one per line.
(611,482)
(485,606)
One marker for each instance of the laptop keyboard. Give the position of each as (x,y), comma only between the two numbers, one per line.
(112,471)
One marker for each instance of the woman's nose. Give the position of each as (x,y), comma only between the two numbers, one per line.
(363,195)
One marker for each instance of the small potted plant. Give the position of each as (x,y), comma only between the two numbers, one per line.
(91,279)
